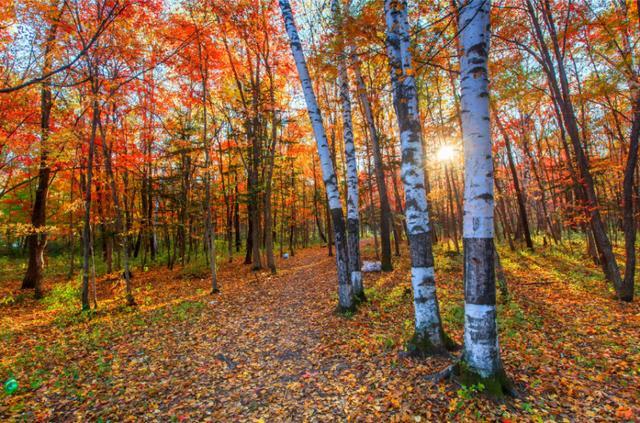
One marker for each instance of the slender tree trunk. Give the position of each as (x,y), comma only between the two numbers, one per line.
(345,295)
(120,219)
(429,336)
(385,210)
(316,205)
(268,182)
(629,221)
(210,235)
(236,216)
(86,231)
(454,217)
(353,217)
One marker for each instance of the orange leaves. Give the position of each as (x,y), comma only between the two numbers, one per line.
(625,413)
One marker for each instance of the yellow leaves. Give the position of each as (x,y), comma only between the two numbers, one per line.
(394,401)
(24,229)
(294,386)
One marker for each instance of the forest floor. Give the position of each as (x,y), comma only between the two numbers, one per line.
(272,348)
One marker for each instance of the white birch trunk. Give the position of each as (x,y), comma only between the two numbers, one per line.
(353,218)
(345,295)
(428,326)
(481,351)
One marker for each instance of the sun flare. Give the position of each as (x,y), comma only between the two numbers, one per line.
(446,153)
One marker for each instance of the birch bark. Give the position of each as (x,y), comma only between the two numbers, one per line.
(429,336)
(345,294)
(481,349)
(353,218)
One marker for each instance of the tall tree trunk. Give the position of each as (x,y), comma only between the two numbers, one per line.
(268,180)
(629,221)
(481,351)
(316,205)
(37,240)
(353,217)
(345,294)
(385,210)
(236,215)
(454,215)
(429,336)
(86,231)
(120,218)
(210,235)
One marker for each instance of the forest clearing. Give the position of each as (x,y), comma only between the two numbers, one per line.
(319,210)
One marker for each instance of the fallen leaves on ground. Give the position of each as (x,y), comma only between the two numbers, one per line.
(272,348)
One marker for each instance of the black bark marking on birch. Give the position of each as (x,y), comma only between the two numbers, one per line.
(421,249)
(340,241)
(479,49)
(422,300)
(479,267)
(353,229)
(484,329)
(478,71)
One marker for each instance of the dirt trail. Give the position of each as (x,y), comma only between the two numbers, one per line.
(269,347)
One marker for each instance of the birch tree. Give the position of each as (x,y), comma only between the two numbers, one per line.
(345,294)
(429,336)
(353,218)
(481,357)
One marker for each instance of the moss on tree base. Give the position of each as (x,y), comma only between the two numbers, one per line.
(449,343)
(360,298)
(131,302)
(421,346)
(346,311)
(496,386)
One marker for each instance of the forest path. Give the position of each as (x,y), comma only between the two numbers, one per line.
(269,346)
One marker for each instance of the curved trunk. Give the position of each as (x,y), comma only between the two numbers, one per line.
(561,95)
(345,295)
